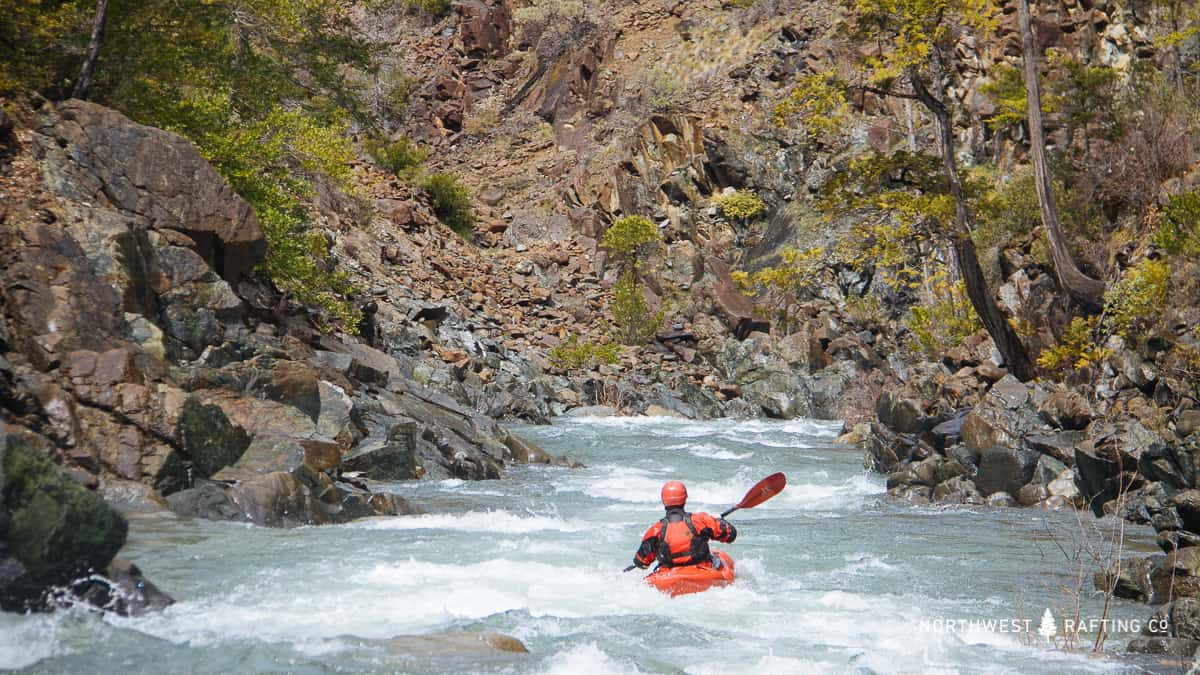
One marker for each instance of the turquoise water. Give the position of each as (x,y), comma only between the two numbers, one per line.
(832,576)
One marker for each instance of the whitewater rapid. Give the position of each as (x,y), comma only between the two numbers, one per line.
(832,576)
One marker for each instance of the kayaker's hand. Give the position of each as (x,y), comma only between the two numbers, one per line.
(707,533)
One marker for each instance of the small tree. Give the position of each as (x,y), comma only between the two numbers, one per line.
(914,55)
(634,320)
(630,239)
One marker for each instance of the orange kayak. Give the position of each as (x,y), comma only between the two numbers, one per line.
(692,578)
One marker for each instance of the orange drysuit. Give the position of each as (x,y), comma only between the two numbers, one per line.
(685,541)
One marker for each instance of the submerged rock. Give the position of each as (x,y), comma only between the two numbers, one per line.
(286,499)
(122,589)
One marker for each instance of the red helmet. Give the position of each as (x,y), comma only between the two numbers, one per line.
(674,493)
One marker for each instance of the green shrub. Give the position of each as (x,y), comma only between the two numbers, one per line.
(576,355)
(661,89)
(635,323)
(1006,88)
(945,321)
(866,310)
(742,205)
(629,236)
(431,7)
(1133,304)
(1179,227)
(1077,348)
(451,202)
(484,116)
(401,156)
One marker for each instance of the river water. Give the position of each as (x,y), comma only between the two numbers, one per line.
(832,575)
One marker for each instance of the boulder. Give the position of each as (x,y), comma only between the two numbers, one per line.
(1170,464)
(208,442)
(904,415)
(296,384)
(128,496)
(484,30)
(1132,581)
(1003,469)
(1187,422)
(1092,476)
(1163,646)
(1000,500)
(958,490)
(95,155)
(1060,444)
(1187,503)
(1004,417)
(949,432)
(1066,410)
(395,458)
(52,530)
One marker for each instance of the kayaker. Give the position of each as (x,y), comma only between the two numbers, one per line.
(687,534)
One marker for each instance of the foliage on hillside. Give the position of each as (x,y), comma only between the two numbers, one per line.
(265,88)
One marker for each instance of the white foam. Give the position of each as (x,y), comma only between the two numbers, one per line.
(720,454)
(502,522)
(25,640)
(586,659)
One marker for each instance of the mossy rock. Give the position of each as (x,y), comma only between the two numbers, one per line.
(53,526)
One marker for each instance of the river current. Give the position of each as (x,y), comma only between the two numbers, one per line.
(832,575)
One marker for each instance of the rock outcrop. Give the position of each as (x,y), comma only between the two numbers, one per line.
(140,347)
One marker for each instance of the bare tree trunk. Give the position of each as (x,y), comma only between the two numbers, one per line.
(1084,289)
(88,69)
(1007,341)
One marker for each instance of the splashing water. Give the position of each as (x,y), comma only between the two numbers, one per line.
(832,576)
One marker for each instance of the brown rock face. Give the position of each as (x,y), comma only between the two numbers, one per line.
(736,309)
(484,28)
(155,174)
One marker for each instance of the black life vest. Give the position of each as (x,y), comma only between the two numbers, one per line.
(696,550)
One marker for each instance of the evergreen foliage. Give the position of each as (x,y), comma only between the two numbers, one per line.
(1179,225)
(576,355)
(634,321)
(741,206)
(451,202)
(629,238)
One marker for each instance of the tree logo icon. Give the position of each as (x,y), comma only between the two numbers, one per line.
(1047,629)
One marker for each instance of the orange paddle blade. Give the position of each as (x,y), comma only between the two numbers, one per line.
(761,492)
(764,490)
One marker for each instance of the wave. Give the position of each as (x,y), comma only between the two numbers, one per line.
(502,522)
(586,659)
(27,639)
